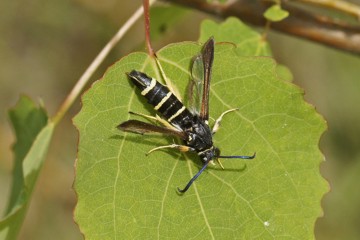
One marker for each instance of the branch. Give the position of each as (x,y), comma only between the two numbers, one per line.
(301,23)
(80,84)
(341,6)
(149,47)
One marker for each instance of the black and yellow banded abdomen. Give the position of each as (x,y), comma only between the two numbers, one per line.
(162,99)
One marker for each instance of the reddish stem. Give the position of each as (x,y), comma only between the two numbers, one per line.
(147,28)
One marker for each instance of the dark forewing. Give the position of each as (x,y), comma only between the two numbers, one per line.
(139,127)
(208,58)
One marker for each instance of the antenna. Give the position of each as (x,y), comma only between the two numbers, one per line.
(242,157)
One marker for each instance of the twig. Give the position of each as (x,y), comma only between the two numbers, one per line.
(147,28)
(342,6)
(318,28)
(75,92)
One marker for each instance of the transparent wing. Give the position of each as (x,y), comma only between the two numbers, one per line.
(201,74)
(196,84)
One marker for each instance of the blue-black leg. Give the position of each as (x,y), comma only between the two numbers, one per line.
(193,179)
(242,157)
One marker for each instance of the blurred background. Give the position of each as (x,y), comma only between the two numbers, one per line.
(45,46)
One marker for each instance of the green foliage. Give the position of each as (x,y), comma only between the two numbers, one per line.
(284,73)
(122,194)
(275,13)
(165,17)
(247,41)
(33,134)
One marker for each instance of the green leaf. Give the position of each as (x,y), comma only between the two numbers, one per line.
(33,134)
(123,194)
(284,73)
(275,13)
(248,42)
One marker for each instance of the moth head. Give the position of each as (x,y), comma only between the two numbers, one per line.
(209,154)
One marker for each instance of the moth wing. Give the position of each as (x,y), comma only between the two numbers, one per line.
(201,76)
(196,84)
(208,59)
(140,127)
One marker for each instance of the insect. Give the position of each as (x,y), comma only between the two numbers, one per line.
(191,126)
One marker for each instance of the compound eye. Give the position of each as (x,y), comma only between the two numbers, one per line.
(204,157)
(217,152)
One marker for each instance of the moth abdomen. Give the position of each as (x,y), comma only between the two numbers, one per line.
(163,100)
